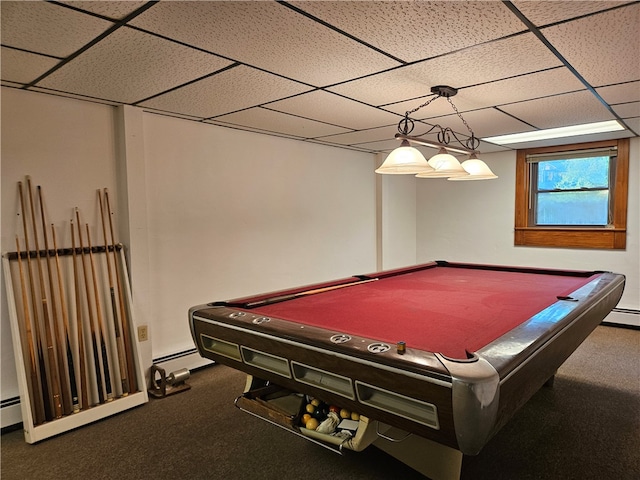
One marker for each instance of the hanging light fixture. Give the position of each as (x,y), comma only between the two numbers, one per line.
(407,159)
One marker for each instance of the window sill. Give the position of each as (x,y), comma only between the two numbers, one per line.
(605,238)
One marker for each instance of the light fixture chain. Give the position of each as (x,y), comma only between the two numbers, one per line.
(461,117)
(423,105)
(406,125)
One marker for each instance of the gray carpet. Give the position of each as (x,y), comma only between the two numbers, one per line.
(587,426)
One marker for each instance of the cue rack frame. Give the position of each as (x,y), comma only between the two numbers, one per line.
(33,431)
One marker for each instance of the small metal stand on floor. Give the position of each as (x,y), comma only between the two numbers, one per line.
(168,385)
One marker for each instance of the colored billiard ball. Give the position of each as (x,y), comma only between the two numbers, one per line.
(305,418)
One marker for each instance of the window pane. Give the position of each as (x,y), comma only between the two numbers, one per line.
(573,208)
(574,173)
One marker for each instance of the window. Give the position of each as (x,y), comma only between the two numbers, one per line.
(573,195)
(572,191)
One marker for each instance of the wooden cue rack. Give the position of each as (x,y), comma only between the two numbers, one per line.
(35,369)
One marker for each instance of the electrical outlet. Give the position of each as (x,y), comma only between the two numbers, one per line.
(143,333)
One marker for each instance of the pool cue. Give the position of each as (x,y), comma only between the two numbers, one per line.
(65,319)
(126,326)
(292,296)
(65,391)
(94,341)
(44,384)
(84,399)
(96,296)
(51,353)
(122,360)
(36,405)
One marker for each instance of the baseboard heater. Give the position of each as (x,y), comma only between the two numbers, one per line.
(623,317)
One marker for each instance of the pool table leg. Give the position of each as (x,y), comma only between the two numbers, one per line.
(550,380)
(254,383)
(434,460)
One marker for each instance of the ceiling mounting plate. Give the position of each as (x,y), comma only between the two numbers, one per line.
(444,90)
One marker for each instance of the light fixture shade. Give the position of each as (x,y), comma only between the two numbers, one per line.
(444,165)
(404,160)
(477,170)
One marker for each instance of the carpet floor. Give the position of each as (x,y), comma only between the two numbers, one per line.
(587,426)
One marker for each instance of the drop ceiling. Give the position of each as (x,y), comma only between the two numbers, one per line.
(341,73)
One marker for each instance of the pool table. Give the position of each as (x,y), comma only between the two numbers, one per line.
(444,351)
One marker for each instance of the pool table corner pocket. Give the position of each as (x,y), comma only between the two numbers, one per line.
(475,400)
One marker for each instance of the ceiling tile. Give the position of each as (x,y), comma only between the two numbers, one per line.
(545,12)
(483,63)
(633,123)
(511,90)
(484,123)
(628,110)
(11,84)
(363,136)
(116,10)
(45,28)
(278,122)
(234,89)
(247,128)
(381,89)
(381,146)
(256,65)
(73,95)
(610,35)
(23,67)
(297,47)
(129,66)
(172,114)
(622,93)
(417,30)
(336,110)
(517,89)
(486,147)
(494,61)
(356,148)
(436,107)
(568,109)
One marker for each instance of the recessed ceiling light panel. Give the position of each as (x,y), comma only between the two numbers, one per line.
(550,133)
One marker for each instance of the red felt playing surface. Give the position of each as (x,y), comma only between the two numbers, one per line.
(444,310)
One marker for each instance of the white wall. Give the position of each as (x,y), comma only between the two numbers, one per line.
(67,147)
(474,221)
(396,219)
(206,213)
(232,213)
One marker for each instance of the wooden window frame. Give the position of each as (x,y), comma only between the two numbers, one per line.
(613,237)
